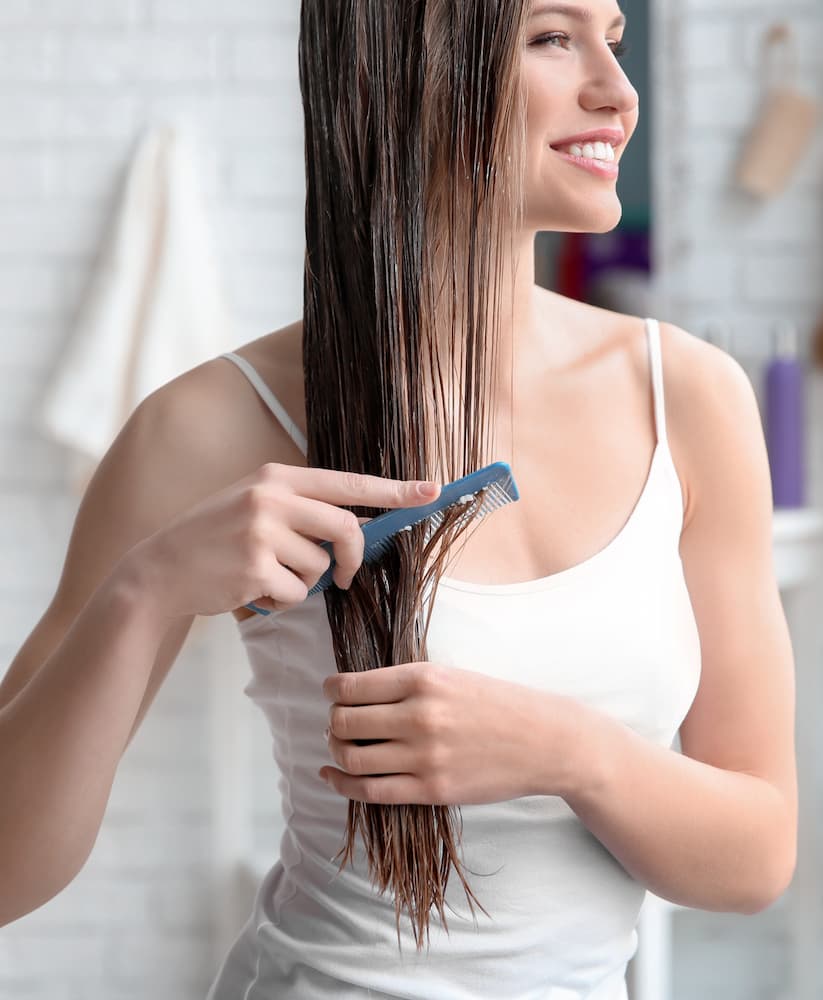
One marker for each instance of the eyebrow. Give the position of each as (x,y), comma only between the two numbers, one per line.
(578,13)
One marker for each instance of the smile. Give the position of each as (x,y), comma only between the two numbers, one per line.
(593,163)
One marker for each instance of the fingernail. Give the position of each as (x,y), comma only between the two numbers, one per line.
(427,489)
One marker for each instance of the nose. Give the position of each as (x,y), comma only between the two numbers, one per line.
(607,86)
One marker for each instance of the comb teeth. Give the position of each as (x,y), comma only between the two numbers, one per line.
(496,496)
(498,489)
(493,499)
(377,550)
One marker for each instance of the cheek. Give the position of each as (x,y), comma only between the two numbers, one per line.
(543,97)
(541,120)
(549,102)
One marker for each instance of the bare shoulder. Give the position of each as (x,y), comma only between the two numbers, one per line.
(692,364)
(196,435)
(713,420)
(212,423)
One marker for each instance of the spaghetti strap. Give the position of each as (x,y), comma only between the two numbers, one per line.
(656,364)
(269,398)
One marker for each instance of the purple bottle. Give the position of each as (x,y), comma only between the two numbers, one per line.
(785,419)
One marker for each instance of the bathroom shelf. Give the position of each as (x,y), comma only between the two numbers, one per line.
(796,557)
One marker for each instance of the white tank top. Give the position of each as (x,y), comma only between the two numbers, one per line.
(615,631)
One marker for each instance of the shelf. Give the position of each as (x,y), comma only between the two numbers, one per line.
(802,523)
(797,535)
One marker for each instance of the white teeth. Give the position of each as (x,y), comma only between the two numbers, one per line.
(593,151)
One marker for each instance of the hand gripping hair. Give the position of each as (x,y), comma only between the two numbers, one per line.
(414,129)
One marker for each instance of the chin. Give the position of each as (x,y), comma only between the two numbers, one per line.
(607,226)
(593,217)
(603,222)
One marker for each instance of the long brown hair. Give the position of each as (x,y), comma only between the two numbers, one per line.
(414,132)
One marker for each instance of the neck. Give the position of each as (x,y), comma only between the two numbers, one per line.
(519,313)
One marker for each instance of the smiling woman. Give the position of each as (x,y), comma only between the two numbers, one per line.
(478,727)
(574,82)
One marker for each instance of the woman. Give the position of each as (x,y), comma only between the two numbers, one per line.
(620,600)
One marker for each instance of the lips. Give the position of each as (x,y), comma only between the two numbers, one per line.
(613,136)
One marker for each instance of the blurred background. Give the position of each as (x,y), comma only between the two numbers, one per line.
(151,198)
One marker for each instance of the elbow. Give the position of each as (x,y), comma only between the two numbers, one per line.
(774,879)
(777,863)
(29,883)
(23,899)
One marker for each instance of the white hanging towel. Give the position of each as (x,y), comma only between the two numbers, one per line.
(154,307)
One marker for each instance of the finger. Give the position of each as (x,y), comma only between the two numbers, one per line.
(389,757)
(372,687)
(367,722)
(305,558)
(389,789)
(282,588)
(355,489)
(315,519)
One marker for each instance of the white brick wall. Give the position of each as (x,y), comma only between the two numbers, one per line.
(724,255)
(78,80)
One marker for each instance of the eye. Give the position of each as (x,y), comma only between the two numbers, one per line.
(548,41)
(553,36)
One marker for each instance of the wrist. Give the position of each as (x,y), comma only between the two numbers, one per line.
(577,761)
(134,585)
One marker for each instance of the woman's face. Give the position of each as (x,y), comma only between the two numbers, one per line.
(575,84)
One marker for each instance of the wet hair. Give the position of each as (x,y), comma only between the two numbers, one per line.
(414,145)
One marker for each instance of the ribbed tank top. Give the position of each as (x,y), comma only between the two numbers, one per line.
(616,631)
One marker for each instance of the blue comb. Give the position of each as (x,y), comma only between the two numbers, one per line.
(496,479)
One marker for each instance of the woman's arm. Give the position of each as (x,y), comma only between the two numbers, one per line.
(76,692)
(72,697)
(715,827)
(62,737)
